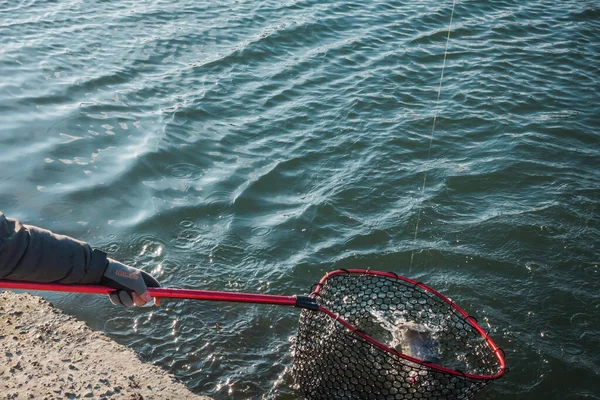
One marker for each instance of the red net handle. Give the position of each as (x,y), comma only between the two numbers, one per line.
(495,349)
(191,294)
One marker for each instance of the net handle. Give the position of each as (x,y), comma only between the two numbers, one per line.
(169,293)
(469,319)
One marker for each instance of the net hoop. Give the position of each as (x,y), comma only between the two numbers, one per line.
(467,318)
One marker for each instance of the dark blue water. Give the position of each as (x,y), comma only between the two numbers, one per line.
(253,146)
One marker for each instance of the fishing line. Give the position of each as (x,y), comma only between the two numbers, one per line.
(435,112)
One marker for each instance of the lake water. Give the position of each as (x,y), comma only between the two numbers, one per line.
(255,145)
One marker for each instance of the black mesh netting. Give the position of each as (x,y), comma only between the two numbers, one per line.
(333,362)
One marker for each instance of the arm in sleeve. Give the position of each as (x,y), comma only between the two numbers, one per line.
(33,254)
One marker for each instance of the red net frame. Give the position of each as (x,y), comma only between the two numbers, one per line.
(337,356)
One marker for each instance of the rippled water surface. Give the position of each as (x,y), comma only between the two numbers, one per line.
(255,145)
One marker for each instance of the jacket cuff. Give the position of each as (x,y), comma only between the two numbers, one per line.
(97,267)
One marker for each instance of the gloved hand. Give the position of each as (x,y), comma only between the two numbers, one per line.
(131,283)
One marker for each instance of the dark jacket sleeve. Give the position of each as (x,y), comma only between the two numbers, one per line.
(33,254)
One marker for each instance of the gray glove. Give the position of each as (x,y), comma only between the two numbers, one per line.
(131,283)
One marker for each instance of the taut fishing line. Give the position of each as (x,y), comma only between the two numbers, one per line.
(435,113)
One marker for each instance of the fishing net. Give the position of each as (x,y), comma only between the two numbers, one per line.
(351,348)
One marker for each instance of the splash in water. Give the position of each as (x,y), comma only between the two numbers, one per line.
(410,338)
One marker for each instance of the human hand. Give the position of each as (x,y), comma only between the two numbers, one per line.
(131,284)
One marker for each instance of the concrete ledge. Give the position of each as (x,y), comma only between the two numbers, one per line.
(45,354)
